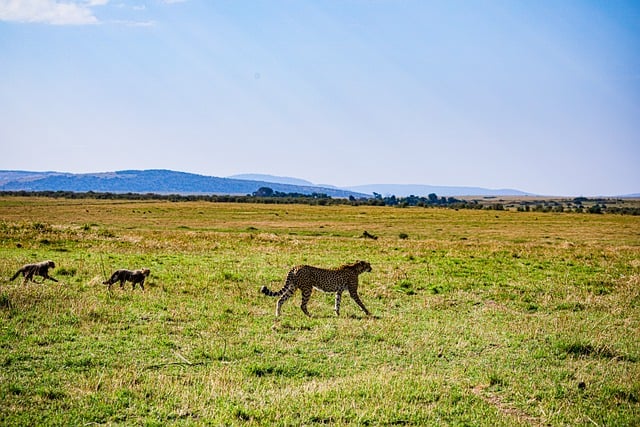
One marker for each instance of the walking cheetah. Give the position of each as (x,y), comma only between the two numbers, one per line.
(336,280)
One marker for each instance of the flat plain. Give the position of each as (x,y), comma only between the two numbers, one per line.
(480,317)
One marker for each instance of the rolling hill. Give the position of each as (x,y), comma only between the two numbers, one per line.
(152,181)
(163,181)
(404,190)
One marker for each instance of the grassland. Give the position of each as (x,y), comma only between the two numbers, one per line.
(480,317)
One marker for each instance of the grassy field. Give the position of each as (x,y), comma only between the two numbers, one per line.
(479,317)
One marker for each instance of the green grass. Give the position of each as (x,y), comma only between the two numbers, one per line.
(478,318)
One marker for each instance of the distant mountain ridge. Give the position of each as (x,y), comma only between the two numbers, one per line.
(163,181)
(400,190)
(404,190)
(152,181)
(274,179)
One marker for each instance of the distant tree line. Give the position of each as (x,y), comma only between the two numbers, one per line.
(431,200)
(269,196)
(260,196)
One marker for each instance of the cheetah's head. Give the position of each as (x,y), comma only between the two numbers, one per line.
(363,266)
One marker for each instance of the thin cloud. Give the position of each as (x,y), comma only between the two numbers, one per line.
(67,12)
(134,23)
(49,11)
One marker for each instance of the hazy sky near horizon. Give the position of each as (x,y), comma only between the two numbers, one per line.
(542,96)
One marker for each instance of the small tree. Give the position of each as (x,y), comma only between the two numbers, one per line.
(263,192)
(595,209)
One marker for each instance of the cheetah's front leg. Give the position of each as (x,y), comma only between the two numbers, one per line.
(356,298)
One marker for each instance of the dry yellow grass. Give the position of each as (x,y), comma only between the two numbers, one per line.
(480,317)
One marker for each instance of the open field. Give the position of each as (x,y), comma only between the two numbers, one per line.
(479,317)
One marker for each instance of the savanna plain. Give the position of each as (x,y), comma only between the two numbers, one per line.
(478,317)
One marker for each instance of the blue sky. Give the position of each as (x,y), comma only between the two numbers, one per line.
(542,96)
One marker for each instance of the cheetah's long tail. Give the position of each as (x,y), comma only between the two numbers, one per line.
(110,281)
(282,291)
(270,293)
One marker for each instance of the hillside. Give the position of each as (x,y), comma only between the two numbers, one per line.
(171,182)
(273,179)
(404,190)
(151,181)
